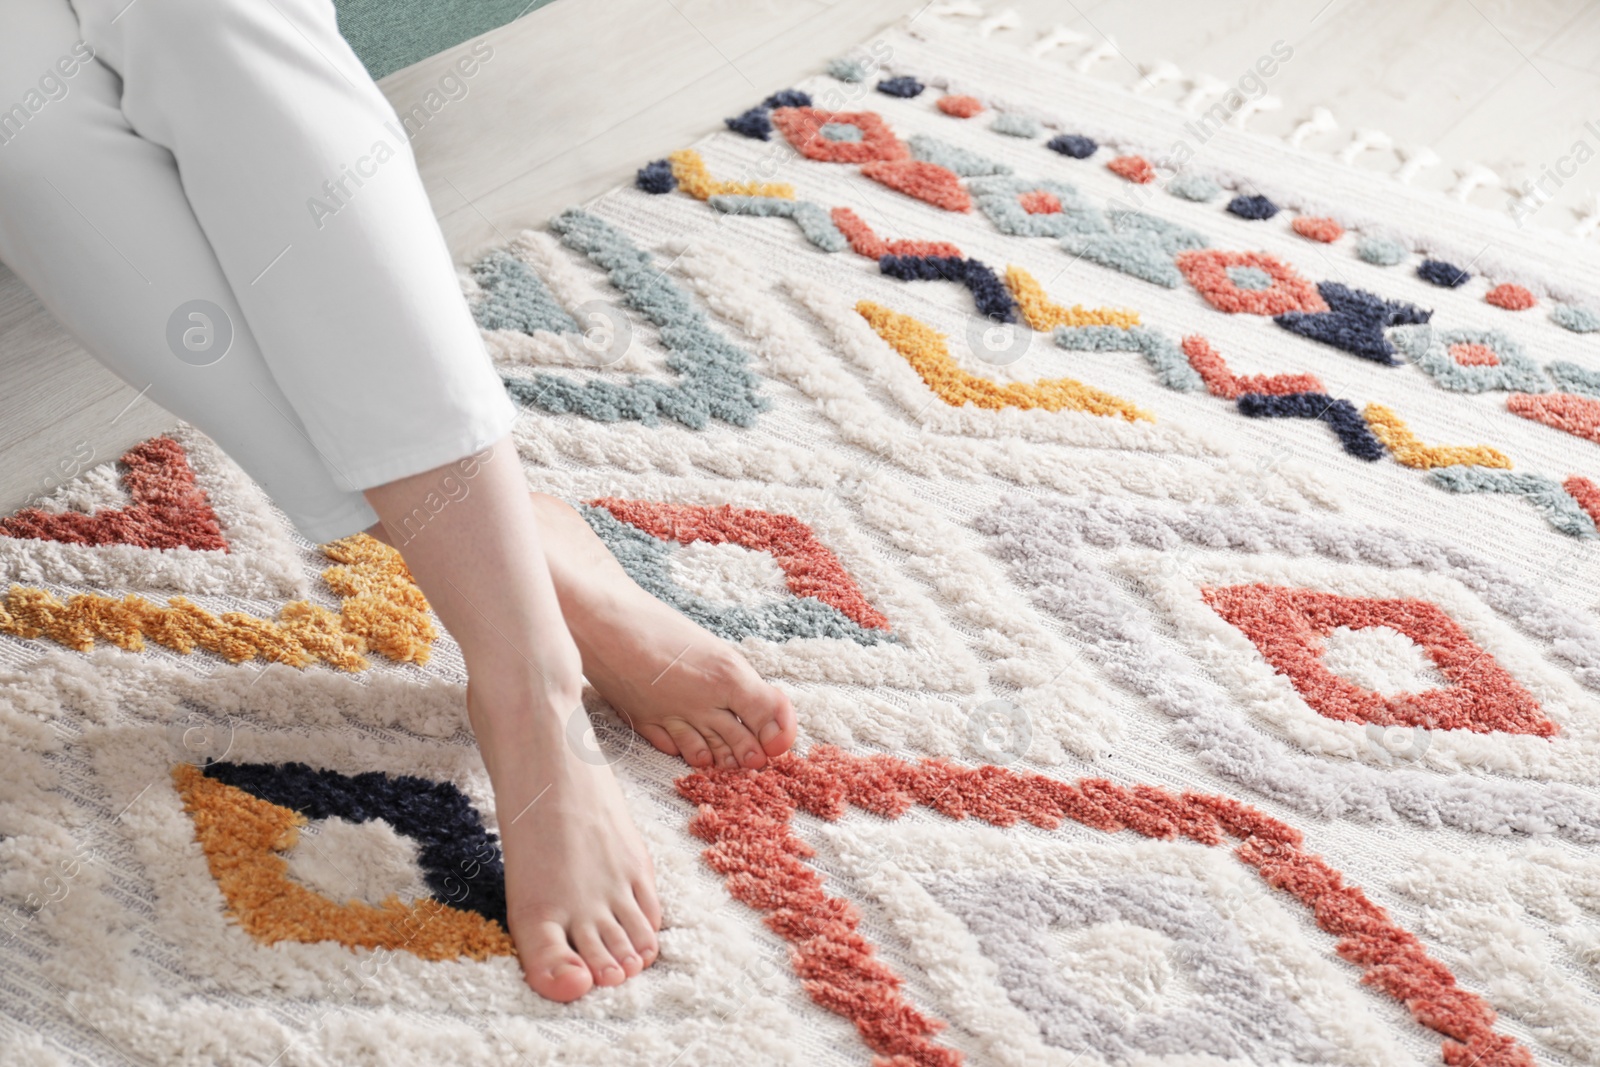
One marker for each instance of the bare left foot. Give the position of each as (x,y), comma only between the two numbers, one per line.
(581,902)
(687,691)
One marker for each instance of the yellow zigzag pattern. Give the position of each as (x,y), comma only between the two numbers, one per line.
(1041,313)
(1391,429)
(693,178)
(381,611)
(924,348)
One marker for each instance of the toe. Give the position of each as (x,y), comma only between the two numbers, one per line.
(602,964)
(736,736)
(620,945)
(691,746)
(766,712)
(641,929)
(551,967)
(721,751)
(659,737)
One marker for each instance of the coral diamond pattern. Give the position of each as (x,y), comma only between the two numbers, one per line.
(1288,625)
(1217,275)
(168,510)
(748,821)
(809,568)
(803,126)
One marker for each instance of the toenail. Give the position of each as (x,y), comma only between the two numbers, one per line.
(769,733)
(752,759)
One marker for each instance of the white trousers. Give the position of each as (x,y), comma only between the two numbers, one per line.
(215,198)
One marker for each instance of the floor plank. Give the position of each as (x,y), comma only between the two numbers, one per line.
(673,93)
(568,105)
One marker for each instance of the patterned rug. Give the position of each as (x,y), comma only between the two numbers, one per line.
(1180,547)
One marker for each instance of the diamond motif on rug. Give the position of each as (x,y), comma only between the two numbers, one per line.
(172,513)
(824,600)
(166,508)
(244,835)
(1289,625)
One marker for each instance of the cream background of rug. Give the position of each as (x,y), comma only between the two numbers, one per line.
(572,104)
(1372,856)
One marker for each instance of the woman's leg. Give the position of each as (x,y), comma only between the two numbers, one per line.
(303,182)
(577,875)
(138,222)
(272,121)
(95,219)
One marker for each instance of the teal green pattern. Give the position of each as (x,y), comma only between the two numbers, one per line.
(1166,358)
(515,298)
(714,380)
(814,222)
(1547,495)
(1571,378)
(1429,349)
(645,558)
(963,161)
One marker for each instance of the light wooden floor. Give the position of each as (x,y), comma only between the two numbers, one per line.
(578,94)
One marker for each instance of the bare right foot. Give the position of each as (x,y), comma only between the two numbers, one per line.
(685,690)
(580,888)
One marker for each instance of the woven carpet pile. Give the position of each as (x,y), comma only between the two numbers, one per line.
(1180,547)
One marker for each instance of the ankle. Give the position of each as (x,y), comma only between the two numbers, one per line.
(538,670)
(523,746)
(504,705)
(584,596)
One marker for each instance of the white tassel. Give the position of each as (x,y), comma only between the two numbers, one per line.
(1006,20)
(1414,161)
(1056,38)
(955,9)
(1590,222)
(1363,141)
(1201,89)
(1321,121)
(1157,74)
(1474,177)
(1104,50)
(1249,108)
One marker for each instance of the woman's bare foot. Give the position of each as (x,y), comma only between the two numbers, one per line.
(687,691)
(580,887)
(580,890)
